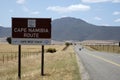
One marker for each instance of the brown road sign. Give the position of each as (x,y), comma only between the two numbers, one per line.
(31,31)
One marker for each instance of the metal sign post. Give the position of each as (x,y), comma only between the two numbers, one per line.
(19,62)
(42,61)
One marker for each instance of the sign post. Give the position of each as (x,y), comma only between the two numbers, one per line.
(19,62)
(31,31)
(42,61)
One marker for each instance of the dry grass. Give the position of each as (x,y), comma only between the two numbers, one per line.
(13,49)
(61,65)
(106,48)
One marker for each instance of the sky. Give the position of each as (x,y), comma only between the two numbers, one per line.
(97,12)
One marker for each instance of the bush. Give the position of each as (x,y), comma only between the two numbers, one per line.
(67,43)
(51,50)
(9,40)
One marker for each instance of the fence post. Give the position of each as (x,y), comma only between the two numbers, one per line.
(3,59)
(7,58)
(11,57)
(15,56)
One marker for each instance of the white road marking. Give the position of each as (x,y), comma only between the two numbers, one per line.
(106,60)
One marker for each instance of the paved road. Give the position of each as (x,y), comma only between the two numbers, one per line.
(100,65)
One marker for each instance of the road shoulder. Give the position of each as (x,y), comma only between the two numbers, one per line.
(83,72)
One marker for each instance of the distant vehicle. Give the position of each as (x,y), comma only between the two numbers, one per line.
(80,49)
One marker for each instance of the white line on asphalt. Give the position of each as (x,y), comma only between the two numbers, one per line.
(106,60)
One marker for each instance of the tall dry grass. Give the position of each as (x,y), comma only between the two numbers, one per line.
(106,48)
(61,65)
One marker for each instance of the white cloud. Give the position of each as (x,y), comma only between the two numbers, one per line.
(71,8)
(106,24)
(64,16)
(116,1)
(117,20)
(35,12)
(97,18)
(116,13)
(98,1)
(1,25)
(20,1)
(27,10)
(94,1)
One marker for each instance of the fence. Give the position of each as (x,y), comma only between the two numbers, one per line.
(10,52)
(5,57)
(107,48)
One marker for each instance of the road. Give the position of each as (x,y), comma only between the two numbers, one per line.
(99,65)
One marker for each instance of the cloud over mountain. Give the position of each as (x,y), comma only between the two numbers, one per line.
(71,8)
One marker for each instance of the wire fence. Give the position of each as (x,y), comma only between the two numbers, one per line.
(5,57)
(107,48)
(10,52)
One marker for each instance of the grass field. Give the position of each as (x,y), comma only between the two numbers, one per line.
(61,65)
(106,48)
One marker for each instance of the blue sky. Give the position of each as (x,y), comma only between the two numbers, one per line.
(98,12)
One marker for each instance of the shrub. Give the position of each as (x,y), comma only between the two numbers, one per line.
(9,40)
(51,50)
(67,43)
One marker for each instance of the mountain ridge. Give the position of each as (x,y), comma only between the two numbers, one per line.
(5,32)
(82,30)
(69,28)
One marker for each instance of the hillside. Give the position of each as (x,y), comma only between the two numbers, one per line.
(76,29)
(69,28)
(5,32)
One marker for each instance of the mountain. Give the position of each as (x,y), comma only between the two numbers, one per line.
(69,28)
(106,33)
(5,32)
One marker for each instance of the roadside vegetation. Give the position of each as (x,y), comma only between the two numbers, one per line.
(51,50)
(67,44)
(61,65)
